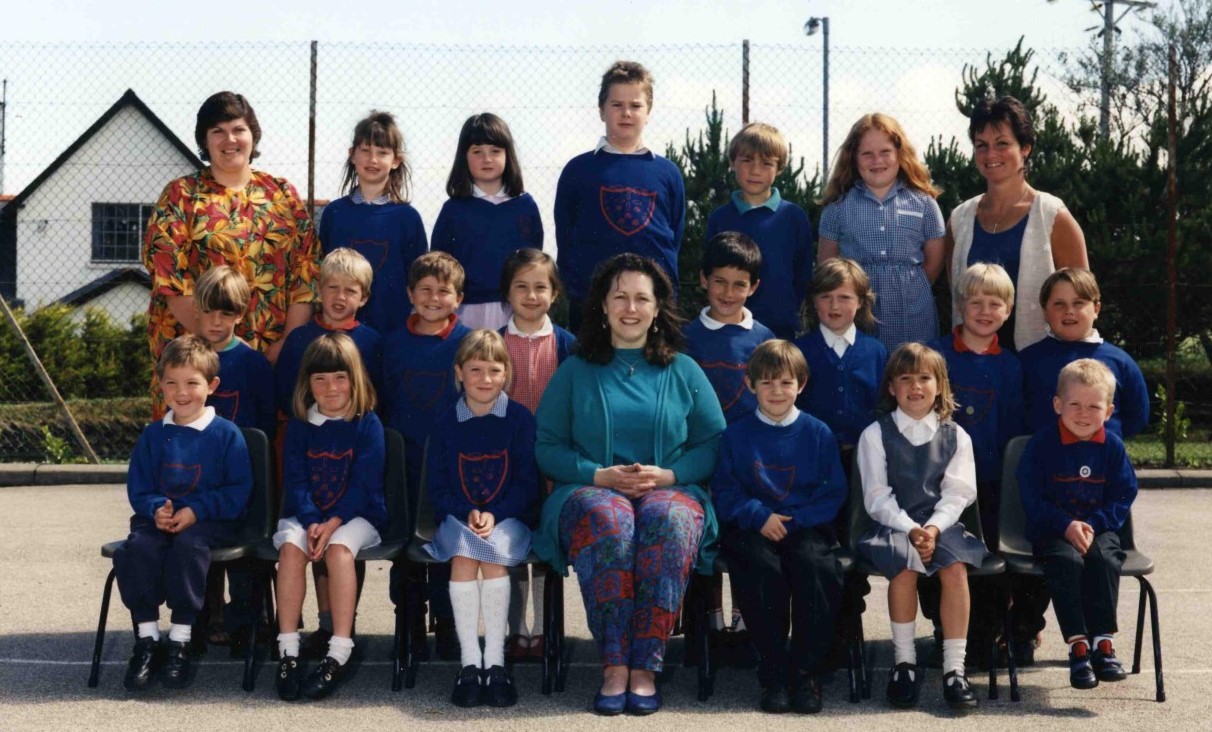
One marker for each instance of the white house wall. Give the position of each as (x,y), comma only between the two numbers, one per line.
(122,302)
(126,161)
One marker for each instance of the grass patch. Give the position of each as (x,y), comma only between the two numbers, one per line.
(1149,451)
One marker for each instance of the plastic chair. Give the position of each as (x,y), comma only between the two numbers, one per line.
(1020,559)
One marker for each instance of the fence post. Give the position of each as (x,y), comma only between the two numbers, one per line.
(50,385)
(311,136)
(1171,262)
(745,82)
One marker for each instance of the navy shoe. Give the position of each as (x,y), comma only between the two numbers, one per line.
(610,706)
(1081,672)
(957,692)
(468,691)
(643,705)
(904,683)
(289,680)
(145,662)
(174,674)
(1106,666)
(499,690)
(324,680)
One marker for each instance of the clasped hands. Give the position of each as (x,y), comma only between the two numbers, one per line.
(924,541)
(633,480)
(1081,535)
(174,523)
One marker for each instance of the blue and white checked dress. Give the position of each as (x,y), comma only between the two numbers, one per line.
(508,544)
(887,238)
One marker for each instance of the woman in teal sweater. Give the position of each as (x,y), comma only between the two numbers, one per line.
(627,429)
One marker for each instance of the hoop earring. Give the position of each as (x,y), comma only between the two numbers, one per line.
(655,327)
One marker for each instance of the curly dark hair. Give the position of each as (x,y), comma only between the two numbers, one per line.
(664,339)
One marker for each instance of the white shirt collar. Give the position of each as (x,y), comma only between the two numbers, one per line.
(1094,337)
(604,144)
(499,408)
(908,426)
(787,421)
(711,323)
(546,329)
(316,417)
(499,197)
(199,424)
(380,200)
(832,339)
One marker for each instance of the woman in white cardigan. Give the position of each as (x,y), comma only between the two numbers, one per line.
(1028,232)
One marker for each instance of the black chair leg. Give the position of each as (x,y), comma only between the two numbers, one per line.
(410,615)
(548,642)
(1011,663)
(397,669)
(250,650)
(864,671)
(1140,626)
(94,673)
(1155,630)
(853,664)
(561,669)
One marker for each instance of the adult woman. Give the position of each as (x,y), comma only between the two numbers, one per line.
(1028,232)
(627,429)
(228,213)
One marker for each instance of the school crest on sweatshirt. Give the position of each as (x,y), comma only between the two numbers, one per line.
(728,380)
(974,404)
(375,251)
(178,480)
(628,210)
(482,475)
(329,475)
(774,479)
(425,387)
(226,404)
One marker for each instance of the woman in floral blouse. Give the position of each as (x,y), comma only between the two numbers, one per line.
(228,213)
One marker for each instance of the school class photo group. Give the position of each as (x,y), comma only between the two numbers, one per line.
(813,425)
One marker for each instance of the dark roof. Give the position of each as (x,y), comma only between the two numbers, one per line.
(104,284)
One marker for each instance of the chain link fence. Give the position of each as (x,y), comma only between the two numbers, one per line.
(92,133)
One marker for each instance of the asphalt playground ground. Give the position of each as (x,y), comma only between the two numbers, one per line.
(51,576)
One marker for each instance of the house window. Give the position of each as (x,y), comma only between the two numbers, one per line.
(118,230)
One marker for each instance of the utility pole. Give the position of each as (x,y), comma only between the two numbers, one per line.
(3,112)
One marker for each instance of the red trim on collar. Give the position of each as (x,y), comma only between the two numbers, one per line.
(1068,438)
(961,347)
(450,325)
(353,323)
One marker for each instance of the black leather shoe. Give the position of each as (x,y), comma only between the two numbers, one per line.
(315,647)
(499,690)
(467,689)
(446,641)
(175,671)
(289,680)
(775,699)
(145,660)
(1081,672)
(324,680)
(806,694)
(904,682)
(1106,666)
(957,692)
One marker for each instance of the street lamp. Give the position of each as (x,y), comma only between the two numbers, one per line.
(810,29)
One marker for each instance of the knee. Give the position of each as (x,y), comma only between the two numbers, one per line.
(954,576)
(338,555)
(906,578)
(291,556)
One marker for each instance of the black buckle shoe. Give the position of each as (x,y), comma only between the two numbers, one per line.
(957,692)
(324,680)
(1106,666)
(289,681)
(806,696)
(499,690)
(145,660)
(1081,673)
(175,672)
(467,689)
(775,699)
(904,683)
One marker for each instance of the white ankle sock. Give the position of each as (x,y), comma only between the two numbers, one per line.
(340,649)
(536,603)
(465,601)
(494,605)
(150,629)
(179,633)
(954,650)
(902,643)
(288,644)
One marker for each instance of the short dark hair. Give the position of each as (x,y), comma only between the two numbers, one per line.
(225,106)
(484,129)
(732,249)
(526,258)
(775,357)
(663,342)
(1004,110)
(189,351)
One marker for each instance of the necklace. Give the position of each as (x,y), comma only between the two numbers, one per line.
(630,364)
(997,224)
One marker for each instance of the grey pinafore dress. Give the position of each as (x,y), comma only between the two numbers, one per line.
(916,476)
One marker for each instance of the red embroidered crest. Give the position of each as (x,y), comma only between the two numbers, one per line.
(375,251)
(775,479)
(226,404)
(973,404)
(482,475)
(328,473)
(627,210)
(728,380)
(178,480)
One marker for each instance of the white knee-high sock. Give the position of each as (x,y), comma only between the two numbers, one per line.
(494,604)
(537,582)
(902,643)
(465,601)
(954,650)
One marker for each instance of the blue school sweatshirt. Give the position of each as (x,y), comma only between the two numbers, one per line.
(207,470)
(842,392)
(1062,479)
(390,236)
(246,388)
(484,463)
(794,470)
(482,235)
(1042,363)
(418,378)
(607,204)
(784,235)
(989,390)
(723,354)
(290,358)
(334,469)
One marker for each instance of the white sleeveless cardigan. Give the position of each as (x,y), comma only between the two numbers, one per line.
(1035,263)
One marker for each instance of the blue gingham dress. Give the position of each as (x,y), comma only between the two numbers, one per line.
(507,545)
(887,237)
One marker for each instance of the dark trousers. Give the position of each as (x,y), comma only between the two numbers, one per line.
(794,584)
(153,566)
(1085,590)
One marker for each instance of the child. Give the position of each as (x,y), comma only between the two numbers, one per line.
(781,229)
(483,483)
(1077,486)
(721,339)
(418,366)
(846,364)
(778,487)
(918,476)
(489,215)
(530,284)
(620,196)
(1071,301)
(189,483)
(376,220)
(334,507)
(880,211)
